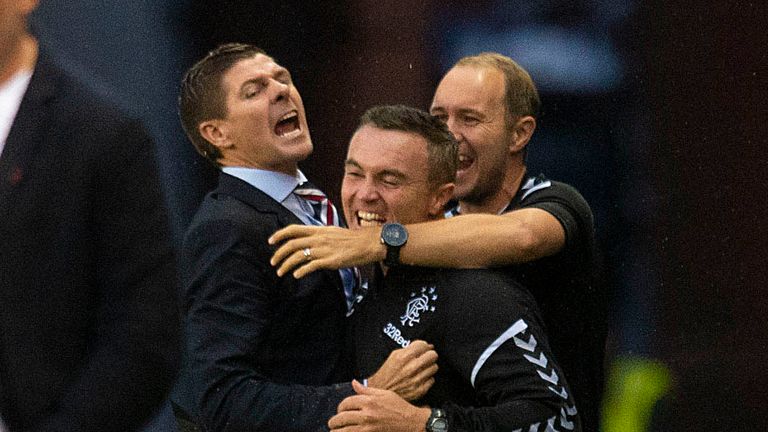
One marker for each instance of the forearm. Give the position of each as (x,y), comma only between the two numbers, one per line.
(480,240)
(467,241)
(246,402)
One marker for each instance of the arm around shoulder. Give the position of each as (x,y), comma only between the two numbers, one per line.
(484,240)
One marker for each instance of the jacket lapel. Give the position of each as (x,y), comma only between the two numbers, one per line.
(263,203)
(30,127)
(257,199)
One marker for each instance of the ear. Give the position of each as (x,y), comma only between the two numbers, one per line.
(442,195)
(522,132)
(214,132)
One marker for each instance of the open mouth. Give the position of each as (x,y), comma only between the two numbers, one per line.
(366,219)
(288,126)
(465,162)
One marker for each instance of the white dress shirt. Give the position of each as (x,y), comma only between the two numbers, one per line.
(278,186)
(11,94)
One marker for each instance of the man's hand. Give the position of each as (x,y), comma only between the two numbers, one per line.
(372,410)
(331,248)
(409,371)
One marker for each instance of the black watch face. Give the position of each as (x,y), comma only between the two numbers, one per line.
(394,234)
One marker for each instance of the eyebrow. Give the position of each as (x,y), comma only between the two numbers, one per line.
(254,80)
(462,111)
(395,173)
(280,71)
(386,172)
(474,112)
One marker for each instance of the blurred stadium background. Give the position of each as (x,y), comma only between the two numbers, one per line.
(654,110)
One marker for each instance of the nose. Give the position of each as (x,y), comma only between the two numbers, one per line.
(280,90)
(454,128)
(367,191)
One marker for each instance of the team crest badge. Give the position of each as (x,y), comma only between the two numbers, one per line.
(418,304)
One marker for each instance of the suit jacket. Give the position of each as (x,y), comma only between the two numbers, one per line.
(261,349)
(88,327)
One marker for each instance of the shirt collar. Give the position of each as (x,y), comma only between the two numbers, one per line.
(275,184)
(527,187)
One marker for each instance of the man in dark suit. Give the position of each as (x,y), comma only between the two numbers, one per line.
(88,318)
(264,351)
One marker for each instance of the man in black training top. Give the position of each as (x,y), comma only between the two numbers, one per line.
(497,372)
(541,231)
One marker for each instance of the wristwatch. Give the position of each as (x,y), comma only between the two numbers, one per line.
(437,421)
(393,236)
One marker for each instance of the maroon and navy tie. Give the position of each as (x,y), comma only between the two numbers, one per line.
(325,214)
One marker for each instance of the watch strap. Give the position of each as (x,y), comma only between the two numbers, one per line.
(393,256)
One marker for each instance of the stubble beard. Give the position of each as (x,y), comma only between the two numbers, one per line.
(488,184)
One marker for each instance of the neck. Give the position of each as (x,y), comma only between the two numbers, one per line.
(22,57)
(495,203)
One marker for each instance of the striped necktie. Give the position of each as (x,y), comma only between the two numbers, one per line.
(324,211)
(325,214)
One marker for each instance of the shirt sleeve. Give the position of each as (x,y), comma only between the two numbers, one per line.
(570,208)
(505,356)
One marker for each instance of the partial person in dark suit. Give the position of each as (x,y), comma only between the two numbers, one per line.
(88,317)
(264,352)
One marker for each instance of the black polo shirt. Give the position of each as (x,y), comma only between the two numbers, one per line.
(566,286)
(496,371)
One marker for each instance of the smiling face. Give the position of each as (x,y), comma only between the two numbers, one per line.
(265,125)
(470,100)
(386,179)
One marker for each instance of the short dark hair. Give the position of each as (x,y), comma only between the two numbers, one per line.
(520,95)
(442,148)
(201,96)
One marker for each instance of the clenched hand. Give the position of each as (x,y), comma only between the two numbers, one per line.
(374,410)
(409,371)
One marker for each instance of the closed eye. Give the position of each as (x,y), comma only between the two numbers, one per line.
(470,120)
(440,116)
(353,174)
(351,169)
(252,89)
(391,180)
